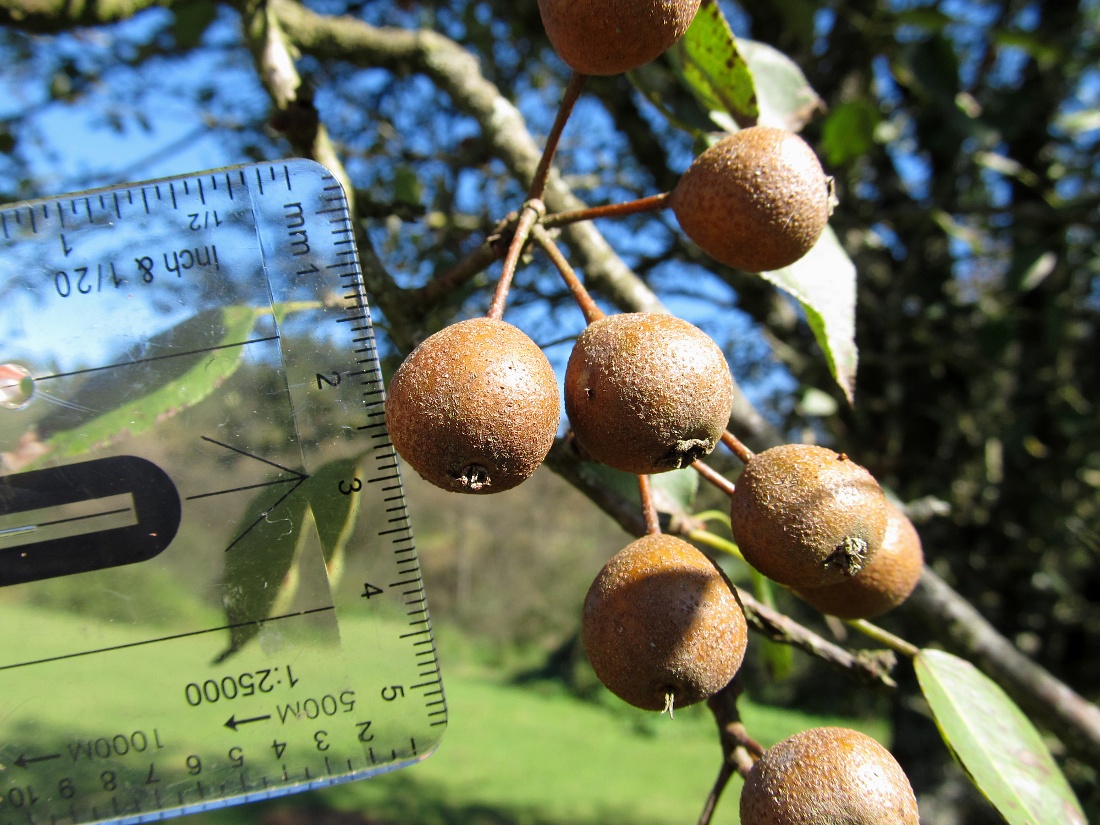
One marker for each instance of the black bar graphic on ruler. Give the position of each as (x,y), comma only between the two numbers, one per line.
(171,638)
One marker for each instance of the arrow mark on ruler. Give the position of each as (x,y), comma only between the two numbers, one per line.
(297,480)
(234,722)
(24,760)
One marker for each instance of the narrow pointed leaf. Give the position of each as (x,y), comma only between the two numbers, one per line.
(172,372)
(824,282)
(261,566)
(335,512)
(995,743)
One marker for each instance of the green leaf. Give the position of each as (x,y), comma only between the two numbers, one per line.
(335,512)
(132,399)
(714,71)
(663,86)
(824,282)
(995,743)
(849,131)
(261,570)
(674,492)
(262,566)
(192,21)
(783,94)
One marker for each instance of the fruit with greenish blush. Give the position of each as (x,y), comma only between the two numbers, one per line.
(806,516)
(474,408)
(605,37)
(757,200)
(647,392)
(884,583)
(828,776)
(661,625)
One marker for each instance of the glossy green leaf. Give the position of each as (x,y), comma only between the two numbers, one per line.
(995,743)
(714,71)
(784,96)
(824,282)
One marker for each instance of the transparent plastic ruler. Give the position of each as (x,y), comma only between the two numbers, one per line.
(209,592)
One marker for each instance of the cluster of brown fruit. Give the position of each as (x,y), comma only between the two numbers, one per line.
(475,409)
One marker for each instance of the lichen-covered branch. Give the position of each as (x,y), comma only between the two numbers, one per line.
(52,16)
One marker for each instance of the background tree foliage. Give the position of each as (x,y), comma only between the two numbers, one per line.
(965,141)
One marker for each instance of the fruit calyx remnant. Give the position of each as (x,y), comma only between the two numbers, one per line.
(686,452)
(473,478)
(850,556)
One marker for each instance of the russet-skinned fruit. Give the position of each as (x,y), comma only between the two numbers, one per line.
(806,516)
(884,583)
(757,200)
(828,776)
(605,37)
(647,392)
(474,408)
(661,625)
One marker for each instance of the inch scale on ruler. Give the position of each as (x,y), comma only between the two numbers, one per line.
(209,591)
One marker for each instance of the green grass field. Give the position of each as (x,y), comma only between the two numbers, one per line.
(533,755)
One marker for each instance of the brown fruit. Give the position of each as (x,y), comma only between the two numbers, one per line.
(756,200)
(805,516)
(474,408)
(647,392)
(828,776)
(604,37)
(882,584)
(661,621)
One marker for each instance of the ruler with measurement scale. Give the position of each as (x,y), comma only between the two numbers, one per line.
(209,592)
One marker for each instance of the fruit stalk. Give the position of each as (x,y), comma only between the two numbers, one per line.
(739,750)
(649,507)
(533,208)
(737,447)
(529,217)
(653,203)
(576,287)
(713,477)
(885,637)
(572,91)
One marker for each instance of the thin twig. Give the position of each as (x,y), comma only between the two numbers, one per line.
(649,506)
(713,477)
(532,211)
(737,447)
(533,208)
(588,306)
(565,108)
(885,637)
(464,270)
(870,666)
(653,203)
(739,750)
